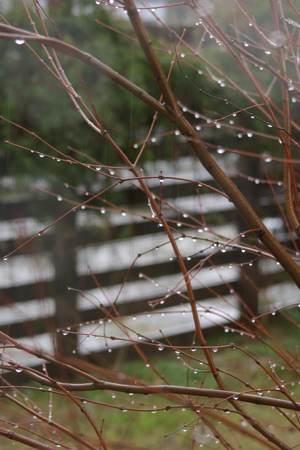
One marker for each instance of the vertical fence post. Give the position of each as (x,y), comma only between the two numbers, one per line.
(64,260)
(252,193)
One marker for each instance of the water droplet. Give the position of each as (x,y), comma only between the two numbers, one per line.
(253,320)
(220,151)
(64,332)
(250,135)
(200,72)
(5,258)
(109,350)
(215,350)
(59,198)
(198,128)
(160,348)
(240,135)
(218,125)
(235,397)
(123,214)
(226,330)
(41,155)
(267,158)
(19,41)
(18,369)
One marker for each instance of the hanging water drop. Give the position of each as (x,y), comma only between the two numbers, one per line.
(19,41)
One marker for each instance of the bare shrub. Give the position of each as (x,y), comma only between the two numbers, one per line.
(242,69)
